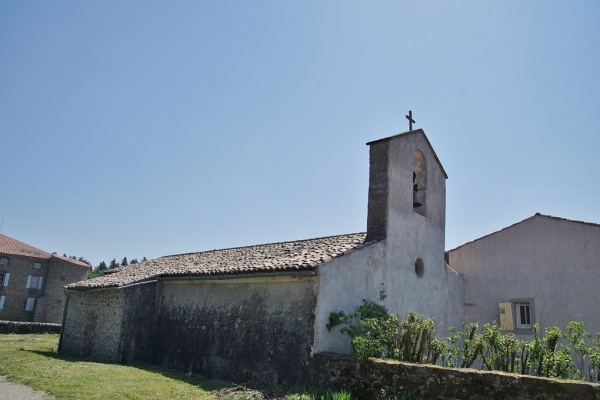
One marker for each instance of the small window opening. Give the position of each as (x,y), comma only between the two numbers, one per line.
(419,267)
(37,265)
(30,304)
(419,182)
(4,276)
(523,311)
(3,261)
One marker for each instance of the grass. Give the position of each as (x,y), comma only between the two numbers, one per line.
(33,360)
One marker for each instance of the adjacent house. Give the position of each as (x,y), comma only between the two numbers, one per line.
(260,312)
(543,270)
(32,280)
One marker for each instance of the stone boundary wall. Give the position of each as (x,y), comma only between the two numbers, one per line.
(372,378)
(28,327)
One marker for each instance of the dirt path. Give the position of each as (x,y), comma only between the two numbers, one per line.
(17,391)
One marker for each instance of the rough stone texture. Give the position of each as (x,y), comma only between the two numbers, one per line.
(50,305)
(55,271)
(378,191)
(92,326)
(371,378)
(16,292)
(28,327)
(139,324)
(240,330)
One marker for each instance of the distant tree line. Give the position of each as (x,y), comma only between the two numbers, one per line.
(100,268)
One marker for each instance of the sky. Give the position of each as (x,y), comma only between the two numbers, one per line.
(141,129)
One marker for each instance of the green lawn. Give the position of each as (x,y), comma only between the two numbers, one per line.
(33,360)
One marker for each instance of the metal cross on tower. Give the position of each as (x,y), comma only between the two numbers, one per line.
(410,120)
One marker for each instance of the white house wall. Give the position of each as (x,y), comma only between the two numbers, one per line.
(555,262)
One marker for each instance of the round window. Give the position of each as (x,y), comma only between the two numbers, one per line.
(419,267)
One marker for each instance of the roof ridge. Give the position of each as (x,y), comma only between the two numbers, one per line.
(261,244)
(537,214)
(71,260)
(30,250)
(298,256)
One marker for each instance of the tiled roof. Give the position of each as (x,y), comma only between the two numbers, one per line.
(527,219)
(12,246)
(266,258)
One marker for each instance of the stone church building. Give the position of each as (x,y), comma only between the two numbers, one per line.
(260,312)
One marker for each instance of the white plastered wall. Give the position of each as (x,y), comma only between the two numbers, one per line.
(388,266)
(552,261)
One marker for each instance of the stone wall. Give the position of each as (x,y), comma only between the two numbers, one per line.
(92,325)
(28,327)
(139,323)
(371,378)
(16,292)
(238,329)
(50,305)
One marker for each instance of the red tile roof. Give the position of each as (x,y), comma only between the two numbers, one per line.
(14,247)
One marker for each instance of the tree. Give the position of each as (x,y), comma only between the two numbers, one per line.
(84,260)
(101,267)
(113,264)
(134,261)
(144,259)
(124,262)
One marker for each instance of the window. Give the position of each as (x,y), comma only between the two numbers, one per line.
(29,306)
(4,277)
(419,267)
(37,265)
(523,314)
(419,180)
(2,299)
(3,261)
(517,315)
(34,282)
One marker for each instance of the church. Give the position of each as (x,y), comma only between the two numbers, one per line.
(259,313)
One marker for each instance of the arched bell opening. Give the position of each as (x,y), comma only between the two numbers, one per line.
(419,177)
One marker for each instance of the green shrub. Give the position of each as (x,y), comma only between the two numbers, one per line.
(377,333)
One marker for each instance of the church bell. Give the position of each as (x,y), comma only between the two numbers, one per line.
(416,201)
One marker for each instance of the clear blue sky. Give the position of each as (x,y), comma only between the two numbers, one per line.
(135,129)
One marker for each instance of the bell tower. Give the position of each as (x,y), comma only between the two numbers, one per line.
(407,189)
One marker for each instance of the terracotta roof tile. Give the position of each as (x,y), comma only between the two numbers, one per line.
(266,258)
(12,246)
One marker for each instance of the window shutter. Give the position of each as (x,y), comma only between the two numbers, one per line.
(2,298)
(28,281)
(506,317)
(40,279)
(6,277)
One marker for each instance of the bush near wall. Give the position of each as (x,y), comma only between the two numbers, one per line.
(28,327)
(376,333)
(385,379)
